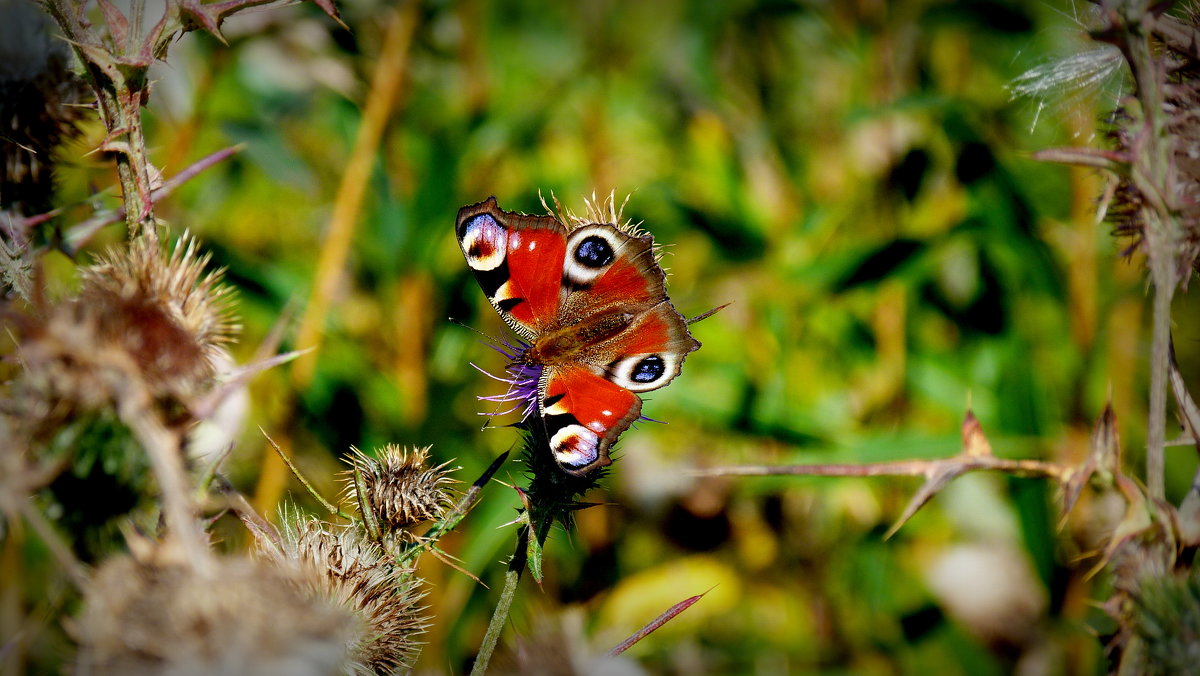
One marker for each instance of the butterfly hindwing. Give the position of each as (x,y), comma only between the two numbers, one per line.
(517,261)
(584,413)
(649,353)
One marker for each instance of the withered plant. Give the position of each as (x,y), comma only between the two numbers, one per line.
(121,371)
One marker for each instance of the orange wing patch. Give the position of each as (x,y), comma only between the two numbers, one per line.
(535,261)
(584,413)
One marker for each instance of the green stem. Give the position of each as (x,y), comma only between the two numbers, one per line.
(511,578)
(1159,365)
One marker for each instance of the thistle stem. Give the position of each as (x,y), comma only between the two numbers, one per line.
(512,577)
(1153,167)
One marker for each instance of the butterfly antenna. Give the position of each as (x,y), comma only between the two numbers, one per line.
(470,328)
(708,314)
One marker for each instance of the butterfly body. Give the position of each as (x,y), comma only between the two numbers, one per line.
(589,301)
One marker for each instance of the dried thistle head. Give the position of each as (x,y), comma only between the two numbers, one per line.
(146,327)
(174,313)
(398,486)
(359,576)
(143,616)
(38,105)
(1131,210)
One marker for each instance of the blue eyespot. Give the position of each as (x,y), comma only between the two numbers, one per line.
(649,369)
(594,252)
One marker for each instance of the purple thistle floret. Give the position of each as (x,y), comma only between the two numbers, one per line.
(522,379)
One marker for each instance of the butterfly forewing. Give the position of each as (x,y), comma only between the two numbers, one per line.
(517,261)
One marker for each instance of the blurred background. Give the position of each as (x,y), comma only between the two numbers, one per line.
(854,177)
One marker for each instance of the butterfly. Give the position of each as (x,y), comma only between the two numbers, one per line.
(589,304)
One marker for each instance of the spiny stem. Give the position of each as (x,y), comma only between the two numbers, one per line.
(1153,166)
(1159,364)
(456,514)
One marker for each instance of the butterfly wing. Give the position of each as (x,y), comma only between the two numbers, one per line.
(585,406)
(584,413)
(609,271)
(518,261)
(649,353)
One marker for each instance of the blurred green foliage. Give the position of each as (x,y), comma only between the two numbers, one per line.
(853,177)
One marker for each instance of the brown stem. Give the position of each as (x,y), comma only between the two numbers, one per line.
(1161,228)
(1028,468)
(164,448)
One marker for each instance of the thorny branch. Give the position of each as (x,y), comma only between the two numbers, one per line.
(976,455)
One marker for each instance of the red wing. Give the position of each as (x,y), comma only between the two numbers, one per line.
(609,271)
(584,414)
(518,261)
(605,268)
(648,353)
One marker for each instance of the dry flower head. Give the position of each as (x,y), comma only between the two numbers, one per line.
(359,576)
(245,617)
(146,326)
(399,488)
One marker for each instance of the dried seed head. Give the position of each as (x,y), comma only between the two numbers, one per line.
(1131,211)
(359,576)
(145,325)
(186,311)
(38,93)
(398,487)
(245,617)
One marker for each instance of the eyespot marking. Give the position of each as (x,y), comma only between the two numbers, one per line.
(649,369)
(484,242)
(575,446)
(593,249)
(644,372)
(594,252)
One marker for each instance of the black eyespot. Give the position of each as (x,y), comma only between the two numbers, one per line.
(649,369)
(594,252)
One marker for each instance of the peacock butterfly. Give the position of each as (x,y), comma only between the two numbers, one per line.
(587,300)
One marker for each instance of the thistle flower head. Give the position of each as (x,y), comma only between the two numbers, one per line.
(1131,208)
(595,211)
(186,311)
(144,325)
(358,576)
(398,486)
(1136,207)
(244,617)
(522,380)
